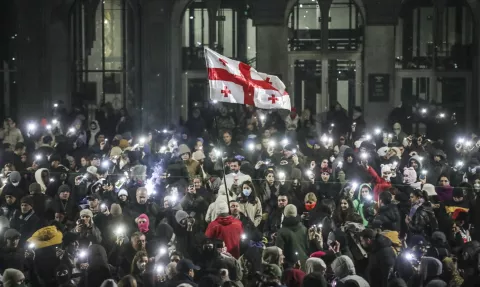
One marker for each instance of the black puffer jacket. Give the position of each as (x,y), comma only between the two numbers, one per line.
(388,217)
(381,259)
(420,222)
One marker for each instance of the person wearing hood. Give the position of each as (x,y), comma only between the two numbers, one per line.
(98,269)
(185,229)
(416,163)
(192,166)
(41,201)
(122,198)
(439,167)
(226,228)
(381,183)
(399,135)
(450,273)
(315,265)
(439,246)
(350,166)
(381,257)
(429,273)
(13,278)
(64,203)
(11,255)
(92,133)
(26,221)
(292,237)
(13,184)
(363,204)
(344,271)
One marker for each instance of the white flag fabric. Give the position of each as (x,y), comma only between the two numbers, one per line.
(232,81)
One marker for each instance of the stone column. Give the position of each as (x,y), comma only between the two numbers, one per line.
(158,93)
(272,38)
(379,54)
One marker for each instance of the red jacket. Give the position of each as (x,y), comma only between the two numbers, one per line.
(229,230)
(380,184)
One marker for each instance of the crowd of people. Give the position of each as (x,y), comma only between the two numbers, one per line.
(241,197)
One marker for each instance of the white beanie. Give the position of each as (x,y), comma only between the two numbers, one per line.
(430,189)
(221,207)
(290,211)
(122,192)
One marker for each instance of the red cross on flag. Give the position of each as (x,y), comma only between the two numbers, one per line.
(235,82)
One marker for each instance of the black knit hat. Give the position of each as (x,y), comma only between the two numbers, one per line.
(27,200)
(64,188)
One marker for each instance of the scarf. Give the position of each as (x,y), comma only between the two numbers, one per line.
(415,207)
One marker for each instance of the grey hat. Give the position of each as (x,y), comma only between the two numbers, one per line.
(11,233)
(180,215)
(290,211)
(15,177)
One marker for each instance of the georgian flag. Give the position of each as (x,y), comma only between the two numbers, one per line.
(235,82)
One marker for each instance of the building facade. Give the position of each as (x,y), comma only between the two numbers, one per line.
(147,55)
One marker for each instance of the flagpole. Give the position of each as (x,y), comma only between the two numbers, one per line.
(223,164)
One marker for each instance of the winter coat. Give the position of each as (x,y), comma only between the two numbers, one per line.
(182,279)
(12,258)
(26,224)
(344,270)
(229,230)
(420,220)
(253,210)
(380,184)
(388,217)
(444,193)
(273,222)
(292,239)
(381,259)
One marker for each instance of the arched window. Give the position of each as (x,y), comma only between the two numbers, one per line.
(304,23)
(102,39)
(434,38)
(345,26)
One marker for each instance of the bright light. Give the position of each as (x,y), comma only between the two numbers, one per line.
(340,164)
(284,142)
(217,152)
(324,138)
(214,101)
(105,163)
(442,115)
(330,140)
(460,163)
(52,180)
(395,163)
(461,140)
(354,185)
(163,149)
(424,171)
(159,269)
(378,131)
(424,111)
(38,157)
(163,251)
(244,236)
(49,127)
(54,121)
(141,140)
(319,225)
(272,143)
(468,144)
(368,137)
(263,117)
(55,105)
(281,175)
(82,254)
(251,146)
(390,136)
(120,230)
(165,131)
(332,125)
(31,246)
(363,155)
(31,126)
(71,130)
(420,158)
(309,173)
(409,256)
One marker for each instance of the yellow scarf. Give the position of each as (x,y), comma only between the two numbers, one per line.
(45,237)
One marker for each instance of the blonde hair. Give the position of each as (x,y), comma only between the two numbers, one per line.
(310,197)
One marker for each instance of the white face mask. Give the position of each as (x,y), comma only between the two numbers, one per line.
(247,192)
(476,186)
(15,183)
